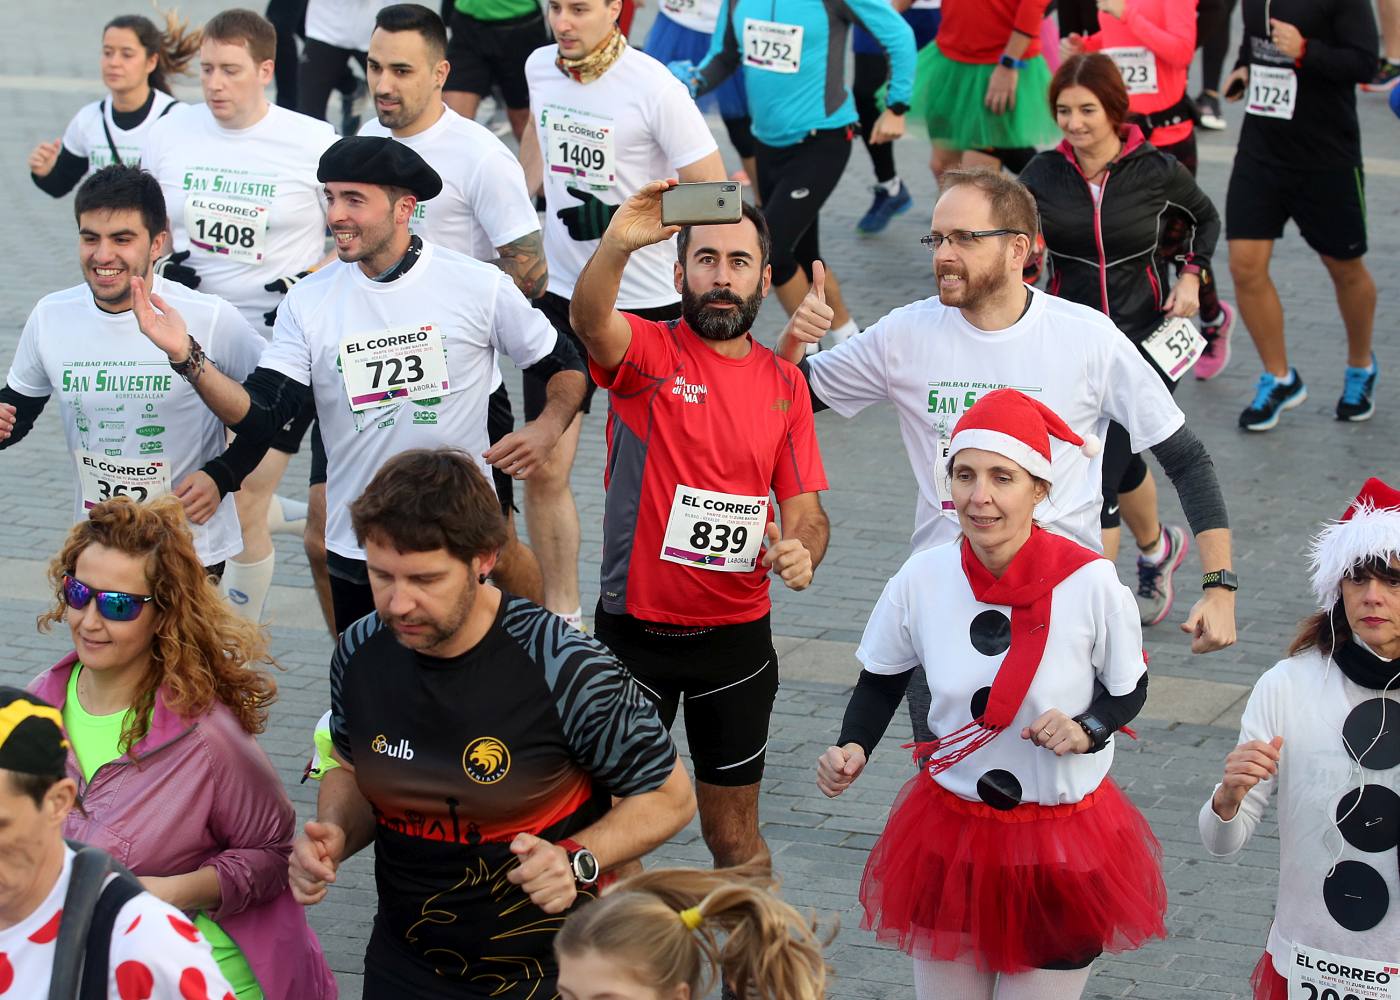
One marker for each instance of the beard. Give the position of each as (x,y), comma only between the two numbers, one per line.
(976,289)
(719,324)
(374,241)
(438,631)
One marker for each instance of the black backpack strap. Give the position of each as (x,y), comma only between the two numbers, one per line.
(96,964)
(106,130)
(90,870)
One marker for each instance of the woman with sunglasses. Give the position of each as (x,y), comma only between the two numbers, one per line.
(1011,860)
(1320,729)
(162,703)
(1103,194)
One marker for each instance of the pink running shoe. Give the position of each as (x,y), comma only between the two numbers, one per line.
(1217,351)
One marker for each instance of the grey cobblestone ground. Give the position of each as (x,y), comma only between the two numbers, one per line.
(1279,486)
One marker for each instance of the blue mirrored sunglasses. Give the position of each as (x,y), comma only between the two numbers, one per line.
(114,605)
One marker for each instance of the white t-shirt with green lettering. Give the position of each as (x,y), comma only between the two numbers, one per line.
(86,137)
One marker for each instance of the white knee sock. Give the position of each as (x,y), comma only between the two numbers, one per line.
(1044,984)
(951,981)
(285,516)
(246,585)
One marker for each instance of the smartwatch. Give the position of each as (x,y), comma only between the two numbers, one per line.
(1220,578)
(897,108)
(583,863)
(1095,729)
(1011,62)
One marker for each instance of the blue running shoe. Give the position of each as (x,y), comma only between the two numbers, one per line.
(1356,403)
(884,208)
(1271,398)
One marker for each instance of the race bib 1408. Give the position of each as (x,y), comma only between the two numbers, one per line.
(230,227)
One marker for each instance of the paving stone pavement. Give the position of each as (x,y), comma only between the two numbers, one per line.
(1278,486)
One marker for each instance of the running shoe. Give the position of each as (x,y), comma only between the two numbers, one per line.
(1155,590)
(1271,398)
(1208,111)
(884,208)
(1387,76)
(1216,354)
(1356,403)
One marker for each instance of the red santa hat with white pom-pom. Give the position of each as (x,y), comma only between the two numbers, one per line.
(1370,529)
(1010,423)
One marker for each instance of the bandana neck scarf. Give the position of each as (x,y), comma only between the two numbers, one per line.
(588,68)
(1028,587)
(1364,667)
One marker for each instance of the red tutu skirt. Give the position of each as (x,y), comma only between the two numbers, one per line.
(1014,890)
(1267,983)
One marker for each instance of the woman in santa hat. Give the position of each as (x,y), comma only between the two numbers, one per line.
(1014,861)
(1322,729)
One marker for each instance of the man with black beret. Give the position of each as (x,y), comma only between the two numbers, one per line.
(160,950)
(396,341)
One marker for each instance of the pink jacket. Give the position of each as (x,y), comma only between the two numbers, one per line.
(1168,29)
(199,793)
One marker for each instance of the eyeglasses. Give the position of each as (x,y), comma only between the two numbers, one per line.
(963,239)
(114,605)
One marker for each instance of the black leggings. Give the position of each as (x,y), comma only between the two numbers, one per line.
(289,18)
(795,182)
(324,68)
(871,71)
(739,136)
(1213,39)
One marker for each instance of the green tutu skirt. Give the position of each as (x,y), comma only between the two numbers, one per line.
(949,96)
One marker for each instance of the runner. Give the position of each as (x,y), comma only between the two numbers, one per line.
(704,424)
(1103,196)
(872,73)
(396,341)
(160,950)
(337,35)
(1030,645)
(608,119)
(138,60)
(491,39)
(803,116)
(986,330)
(1213,37)
(248,220)
(1315,725)
(131,426)
(1299,158)
(1388,72)
(487,737)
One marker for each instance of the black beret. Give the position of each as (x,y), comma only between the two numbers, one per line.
(373,159)
(31,734)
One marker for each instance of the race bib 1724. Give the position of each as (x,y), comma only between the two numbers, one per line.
(229,227)
(404,362)
(772,45)
(714,531)
(1320,975)
(1273,91)
(102,477)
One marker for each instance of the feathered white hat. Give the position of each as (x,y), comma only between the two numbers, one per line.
(1370,529)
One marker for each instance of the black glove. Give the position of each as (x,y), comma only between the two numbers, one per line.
(283,285)
(588,221)
(172,267)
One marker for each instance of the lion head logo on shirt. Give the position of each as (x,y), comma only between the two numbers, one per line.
(486,760)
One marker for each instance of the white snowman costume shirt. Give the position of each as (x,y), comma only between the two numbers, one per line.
(927,616)
(1339,883)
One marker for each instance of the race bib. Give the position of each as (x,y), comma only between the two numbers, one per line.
(402,362)
(942,478)
(579,147)
(101,477)
(1273,91)
(1320,975)
(229,227)
(1138,67)
(772,45)
(715,531)
(1174,347)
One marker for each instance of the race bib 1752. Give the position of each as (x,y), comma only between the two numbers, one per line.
(772,45)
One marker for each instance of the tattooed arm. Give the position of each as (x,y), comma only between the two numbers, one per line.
(523,260)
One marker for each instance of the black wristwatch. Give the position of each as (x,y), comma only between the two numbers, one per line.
(1008,61)
(897,108)
(1097,732)
(1220,578)
(583,863)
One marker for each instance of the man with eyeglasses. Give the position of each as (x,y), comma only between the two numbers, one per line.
(985,329)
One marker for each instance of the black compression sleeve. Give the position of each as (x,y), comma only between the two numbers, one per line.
(64,176)
(27,410)
(273,400)
(236,463)
(1117,710)
(1189,467)
(872,706)
(564,358)
(818,404)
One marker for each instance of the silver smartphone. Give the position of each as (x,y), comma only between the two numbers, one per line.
(704,204)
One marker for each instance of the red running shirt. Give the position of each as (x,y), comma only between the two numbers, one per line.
(684,423)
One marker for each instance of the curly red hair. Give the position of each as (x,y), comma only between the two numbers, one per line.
(202,650)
